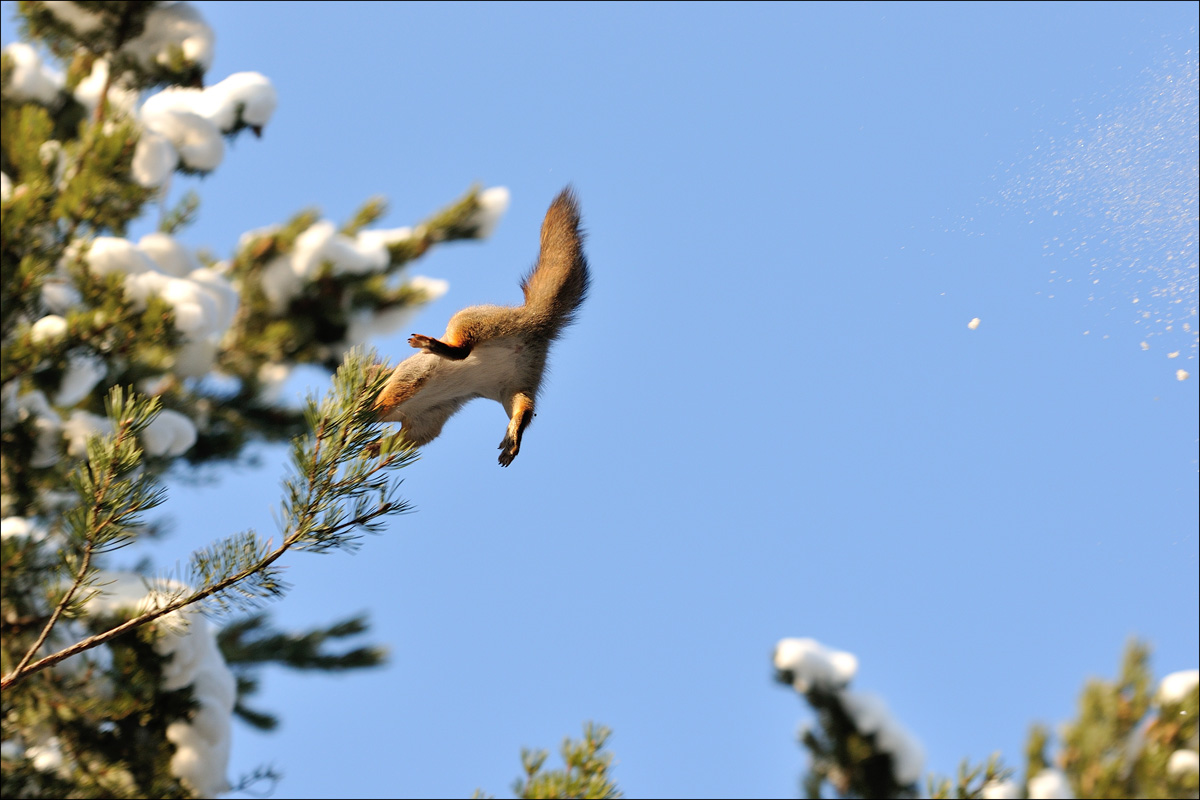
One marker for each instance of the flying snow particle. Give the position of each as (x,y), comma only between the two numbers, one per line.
(1182,374)
(973,324)
(1117,192)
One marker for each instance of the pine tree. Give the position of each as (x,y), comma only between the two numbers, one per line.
(120,360)
(1126,742)
(585,772)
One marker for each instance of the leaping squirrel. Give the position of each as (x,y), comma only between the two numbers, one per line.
(497,352)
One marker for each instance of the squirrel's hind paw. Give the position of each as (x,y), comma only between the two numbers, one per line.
(510,449)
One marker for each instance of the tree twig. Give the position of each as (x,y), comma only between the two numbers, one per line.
(23,671)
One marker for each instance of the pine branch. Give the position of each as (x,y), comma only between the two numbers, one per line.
(344,440)
(308,320)
(114,505)
(851,760)
(584,774)
(196,597)
(259,775)
(971,780)
(252,641)
(182,215)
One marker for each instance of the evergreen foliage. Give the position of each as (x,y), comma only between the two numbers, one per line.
(108,353)
(585,771)
(1127,741)
(846,758)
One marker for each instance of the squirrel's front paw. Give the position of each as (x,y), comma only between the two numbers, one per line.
(420,342)
(509,449)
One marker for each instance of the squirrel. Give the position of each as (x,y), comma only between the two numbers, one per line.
(497,352)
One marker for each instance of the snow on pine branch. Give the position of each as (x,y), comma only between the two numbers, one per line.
(812,668)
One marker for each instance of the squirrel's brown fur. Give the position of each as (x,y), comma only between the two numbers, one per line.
(498,352)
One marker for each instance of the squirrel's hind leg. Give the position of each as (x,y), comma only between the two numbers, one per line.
(520,413)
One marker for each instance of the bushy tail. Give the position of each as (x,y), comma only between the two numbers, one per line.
(558,283)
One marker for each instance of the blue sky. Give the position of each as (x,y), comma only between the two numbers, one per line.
(771,419)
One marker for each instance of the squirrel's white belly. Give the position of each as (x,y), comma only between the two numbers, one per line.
(487,372)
